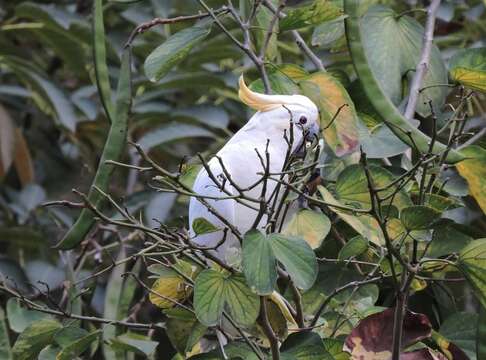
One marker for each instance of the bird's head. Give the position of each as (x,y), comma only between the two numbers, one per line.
(278,112)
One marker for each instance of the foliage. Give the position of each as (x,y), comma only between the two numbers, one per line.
(373,246)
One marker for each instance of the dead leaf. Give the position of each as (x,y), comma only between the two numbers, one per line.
(22,160)
(372,338)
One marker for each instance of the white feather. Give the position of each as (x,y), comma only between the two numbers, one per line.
(242,162)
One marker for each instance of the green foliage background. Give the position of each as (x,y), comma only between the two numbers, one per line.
(66,79)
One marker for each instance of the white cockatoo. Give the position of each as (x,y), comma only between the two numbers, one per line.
(274,116)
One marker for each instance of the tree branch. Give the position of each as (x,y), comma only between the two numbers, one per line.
(423,63)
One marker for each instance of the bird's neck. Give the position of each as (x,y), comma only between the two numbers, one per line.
(261,129)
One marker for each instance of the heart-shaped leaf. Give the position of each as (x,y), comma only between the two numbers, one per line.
(297,257)
(468,67)
(352,187)
(260,253)
(361,345)
(419,217)
(259,263)
(214,291)
(393,45)
(363,224)
(310,225)
(353,247)
(472,262)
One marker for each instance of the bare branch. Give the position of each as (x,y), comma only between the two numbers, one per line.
(423,63)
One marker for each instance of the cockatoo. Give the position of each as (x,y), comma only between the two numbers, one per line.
(275,114)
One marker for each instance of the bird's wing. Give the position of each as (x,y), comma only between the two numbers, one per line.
(226,208)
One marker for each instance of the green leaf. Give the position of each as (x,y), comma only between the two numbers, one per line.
(197,332)
(19,318)
(326,34)
(234,350)
(472,262)
(393,46)
(379,141)
(113,150)
(352,187)
(297,257)
(49,353)
(335,348)
(259,263)
(419,217)
(179,327)
(354,247)
(338,116)
(363,224)
(316,13)
(481,334)
(448,239)
(56,34)
(34,338)
(173,51)
(460,328)
(376,93)
(468,67)
(209,296)
(79,346)
(137,343)
(68,335)
(213,290)
(473,169)
(172,132)
(262,20)
(304,346)
(48,96)
(189,174)
(202,226)
(100,61)
(114,290)
(310,225)
(280,83)
(5,349)
(242,304)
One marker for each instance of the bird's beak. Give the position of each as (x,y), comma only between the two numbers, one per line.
(313,132)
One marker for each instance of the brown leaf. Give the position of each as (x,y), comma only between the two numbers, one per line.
(7,141)
(23,160)
(372,338)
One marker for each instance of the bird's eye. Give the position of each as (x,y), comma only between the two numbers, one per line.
(303,120)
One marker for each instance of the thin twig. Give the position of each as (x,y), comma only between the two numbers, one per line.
(159,21)
(423,63)
(298,40)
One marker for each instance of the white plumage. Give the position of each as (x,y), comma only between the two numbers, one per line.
(241,161)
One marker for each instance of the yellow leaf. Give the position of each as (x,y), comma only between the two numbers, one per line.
(363,224)
(338,116)
(168,290)
(473,169)
(310,225)
(473,79)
